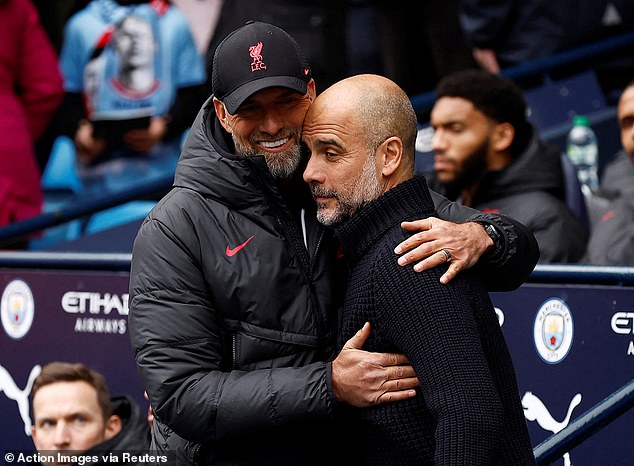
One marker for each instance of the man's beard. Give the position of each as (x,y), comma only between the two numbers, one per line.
(471,171)
(282,165)
(360,191)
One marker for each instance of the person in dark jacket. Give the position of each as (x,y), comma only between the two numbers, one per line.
(361,134)
(511,32)
(234,285)
(74,413)
(618,174)
(487,156)
(612,234)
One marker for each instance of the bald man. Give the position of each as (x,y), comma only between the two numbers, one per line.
(612,237)
(361,134)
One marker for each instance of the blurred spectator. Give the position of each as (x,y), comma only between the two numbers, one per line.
(612,235)
(53,16)
(133,81)
(511,32)
(203,18)
(31,93)
(319,26)
(421,42)
(363,53)
(73,411)
(618,174)
(488,156)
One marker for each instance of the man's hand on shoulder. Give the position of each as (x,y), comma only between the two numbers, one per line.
(464,244)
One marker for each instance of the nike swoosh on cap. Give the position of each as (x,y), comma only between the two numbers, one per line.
(233,251)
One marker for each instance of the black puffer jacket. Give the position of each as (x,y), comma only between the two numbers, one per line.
(231,318)
(232,321)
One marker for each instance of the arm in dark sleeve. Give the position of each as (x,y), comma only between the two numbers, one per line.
(612,237)
(435,327)
(184,109)
(517,256)
(70,113)
(483,22)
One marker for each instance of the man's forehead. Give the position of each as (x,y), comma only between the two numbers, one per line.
(55,393)
(626,102)
(454,109)
(271,93)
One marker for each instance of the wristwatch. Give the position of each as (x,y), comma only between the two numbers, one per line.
(495,235)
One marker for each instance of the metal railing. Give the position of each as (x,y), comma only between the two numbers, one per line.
(82,208)
(593,420)
(583,274)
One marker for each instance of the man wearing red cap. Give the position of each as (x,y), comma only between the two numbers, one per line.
(235,285)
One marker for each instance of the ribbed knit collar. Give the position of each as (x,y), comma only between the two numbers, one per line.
(409,200)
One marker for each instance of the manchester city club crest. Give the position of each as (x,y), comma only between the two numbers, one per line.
(17,309)
(553,331)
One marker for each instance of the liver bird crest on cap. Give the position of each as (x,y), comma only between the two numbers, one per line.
(255,51)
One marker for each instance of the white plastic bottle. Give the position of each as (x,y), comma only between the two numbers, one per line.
(583,151)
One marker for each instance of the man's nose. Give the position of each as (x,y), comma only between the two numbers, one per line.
(62,435)
(438,141)
(311,172)
(272,122)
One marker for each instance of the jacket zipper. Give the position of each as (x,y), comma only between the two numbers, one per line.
(234,344)
(306,262)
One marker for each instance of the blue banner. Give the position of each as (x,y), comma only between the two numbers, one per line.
(572,345)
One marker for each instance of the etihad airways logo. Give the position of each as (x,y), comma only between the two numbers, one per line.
(82,302)
(106,311)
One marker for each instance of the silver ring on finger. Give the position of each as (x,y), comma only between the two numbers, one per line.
(447,254)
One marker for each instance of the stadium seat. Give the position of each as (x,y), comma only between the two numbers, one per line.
(553,105)
(118,215)
(60,173)
(556,102)
(60,185)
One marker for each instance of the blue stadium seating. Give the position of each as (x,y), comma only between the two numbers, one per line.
(60,185)
(60,173)
(118,215)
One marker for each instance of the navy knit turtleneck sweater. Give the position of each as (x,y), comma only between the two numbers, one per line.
(468,410)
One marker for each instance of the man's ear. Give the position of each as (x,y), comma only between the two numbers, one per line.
(502,137)
(312,90)
(113,426)
(221,114)
(34,437)
(390,154)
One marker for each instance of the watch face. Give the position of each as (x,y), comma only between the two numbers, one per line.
(494,235)
(492,232)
